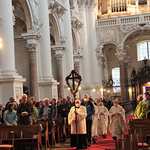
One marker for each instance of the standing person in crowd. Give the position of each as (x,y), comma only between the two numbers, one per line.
(117,120)
(64,110)
(1,113)
(45,110)
(10,115)
(143,107)
(87,102)
(34,113)
(100,120)
(77,120)
(11,100)
(24,111)
(53,120)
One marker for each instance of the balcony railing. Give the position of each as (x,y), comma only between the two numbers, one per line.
(124,20)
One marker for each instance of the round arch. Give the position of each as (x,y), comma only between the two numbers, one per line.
(27,13)
(109,45)
(133,34)
(104,44)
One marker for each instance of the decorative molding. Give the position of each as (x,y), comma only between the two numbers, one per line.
(100,54)
(77,52)
(129,28)
(121,53)
(32,40)
(56,7)
(76,23)
(107,35)
(58,51)
(131,20)
(75,17)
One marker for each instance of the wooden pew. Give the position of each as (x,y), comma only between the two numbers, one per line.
(139,129)
(21,135)
(6,147)
(44,124)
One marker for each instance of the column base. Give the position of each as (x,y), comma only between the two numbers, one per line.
(48,88)
(11,84)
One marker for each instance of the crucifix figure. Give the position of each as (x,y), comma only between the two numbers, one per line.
(73,81)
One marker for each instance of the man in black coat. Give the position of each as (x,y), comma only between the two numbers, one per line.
(87,102)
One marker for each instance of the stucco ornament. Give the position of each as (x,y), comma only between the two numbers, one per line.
(55,7)
(131,27)
(107,36)
(99,52)
(120,53)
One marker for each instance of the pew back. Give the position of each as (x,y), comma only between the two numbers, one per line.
(17,134)
(139,129)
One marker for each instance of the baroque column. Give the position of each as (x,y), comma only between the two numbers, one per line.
(123,74)
(68,39)
(48,86)
(32,40)
(85,63)
(59,55)
(92,41)
(11,84)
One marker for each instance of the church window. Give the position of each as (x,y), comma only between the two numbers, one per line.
(143,50)
(116,79)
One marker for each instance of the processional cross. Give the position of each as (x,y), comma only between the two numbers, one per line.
(73,81)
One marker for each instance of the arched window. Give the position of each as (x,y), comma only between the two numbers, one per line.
(143,50)
(116,79)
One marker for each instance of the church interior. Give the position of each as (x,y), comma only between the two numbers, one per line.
(53,52)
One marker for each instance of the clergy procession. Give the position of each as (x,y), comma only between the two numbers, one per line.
(84,121)
(104,103)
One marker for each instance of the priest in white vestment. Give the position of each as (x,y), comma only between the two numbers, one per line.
(77,120)
(100,120)
(117,120)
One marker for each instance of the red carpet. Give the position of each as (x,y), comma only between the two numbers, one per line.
(103,144)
